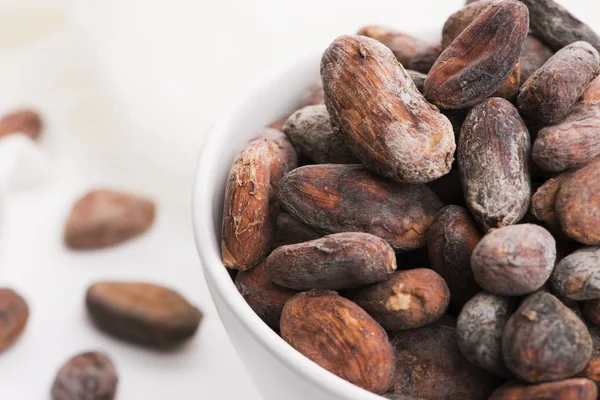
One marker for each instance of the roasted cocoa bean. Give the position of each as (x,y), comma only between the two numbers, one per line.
(339,336)
(104,218)
(142,313)
(262,295)
(460,20)
(556,26)
(381,116)
(576,277)
(409,299)
(15,314)
(288,230)
(514,260)
(493,156)
(577,388)
(310,131)
(545,341)
(424,59)
(592,91)
(450,241)
(89,376)
(573,142)
(479,331)
(577,205)
(548,95)
(250,209)
(405,47)
(479,61)
(534,55)
(543,201)
(339,261)
(27,122)
(429,365)
(348,198)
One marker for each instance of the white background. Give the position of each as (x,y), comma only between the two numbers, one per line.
(128,88)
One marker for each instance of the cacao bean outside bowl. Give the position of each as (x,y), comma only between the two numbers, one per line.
(278,370)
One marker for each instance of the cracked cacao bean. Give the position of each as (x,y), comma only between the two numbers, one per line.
(348,198)
(450,241)
(548,95)
(407,300)
(514,260)
(493,157)
(481,58)
(545,341)
(381,116)
(339,336)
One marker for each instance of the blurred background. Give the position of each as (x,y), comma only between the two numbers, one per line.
(127,90)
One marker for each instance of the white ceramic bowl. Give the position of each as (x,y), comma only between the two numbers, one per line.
(279,371)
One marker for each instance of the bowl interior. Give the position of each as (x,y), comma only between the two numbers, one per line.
(269,101)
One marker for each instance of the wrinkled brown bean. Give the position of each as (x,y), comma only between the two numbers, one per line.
(514,260)
(573,142)
(407,300)
(577,277)
(262,295)
(577,205)
(339,336)
(543,201)
(429,365)
(534,55)
(310,131)
(89,376)
(142,313)
(556,26)
(339,261)
(569,389)
(405,47)
(479,331)
(288,230)
(14,313)
(450,241)
(460,20)
(480,60)
(103,218)
(545,341)
(548,95)
(341,198)
(249,209)
(493,156)
(381,116)
(424,59)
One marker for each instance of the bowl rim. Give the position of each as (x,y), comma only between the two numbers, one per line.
(210,254)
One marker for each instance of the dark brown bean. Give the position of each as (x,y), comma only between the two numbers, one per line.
(341,198)
(142,313)
(14,314)
(310,131)
(339,261)
(429,365)
(534,55)
(450,241)
(514,260)
(577,205)
(556,26)
(576,277)
(479,331)
(545,341)
(288,230)
(548,95)
(405,47)
(262,295)
(407,300)
(569,389)
(339,336)
(493,156)
(460,20)
(104,218)
(89,376)
(381,116)
(480,60)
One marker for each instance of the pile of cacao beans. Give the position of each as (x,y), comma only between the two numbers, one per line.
(426,225)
